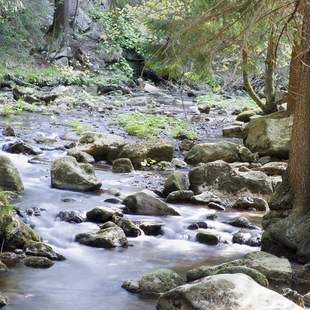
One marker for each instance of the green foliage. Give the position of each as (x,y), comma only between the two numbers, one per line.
(78,128)
(21,26)
(122,29)
(218,100)
(150,126)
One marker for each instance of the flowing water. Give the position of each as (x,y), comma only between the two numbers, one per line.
(91,278)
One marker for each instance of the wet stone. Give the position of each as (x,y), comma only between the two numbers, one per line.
(152,228)
(38,262)
(74,217)
(197,225)
(207,238)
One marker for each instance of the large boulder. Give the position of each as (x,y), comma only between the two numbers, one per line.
(67,173)
(15,233)
(221,176)
(122,165)
(277,270)
(107,237)
(154,283)
(144,204)
(140,152)
(224,292)
(41,249)
(227,151)
(10,179)
(269,135)
(177,181)
(101,146)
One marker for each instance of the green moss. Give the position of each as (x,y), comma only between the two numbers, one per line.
(149,126)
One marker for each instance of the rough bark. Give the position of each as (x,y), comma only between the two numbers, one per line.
(60,26)
(293,85)
(270,62)
(287,226)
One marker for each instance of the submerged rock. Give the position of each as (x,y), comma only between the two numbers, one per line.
(67,173)
(177,181)
(269,135)
(154,283)
(226,151)
(223,292)
(145,204)
(122,165)
(10,179)
(106,237)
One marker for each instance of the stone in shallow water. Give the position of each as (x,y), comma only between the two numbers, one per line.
(8,131)
(100,215)
(223,292)
(129,228)
(38,262)
(20,147)
(67,173)
(145,204)
(154,283)
(75,217)
(122,165)
(152,228)
(42,250)
(250,238)
(277,270)
(180,196)
(10,179)
(207,238)
(175,182)
(106,237)
(241,222)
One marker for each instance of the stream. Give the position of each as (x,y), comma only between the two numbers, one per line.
(91,278)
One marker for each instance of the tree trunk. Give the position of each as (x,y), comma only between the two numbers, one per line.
(293,85)
(287,225)
(299,172)
(60,26)
(246,81)
(270,62)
